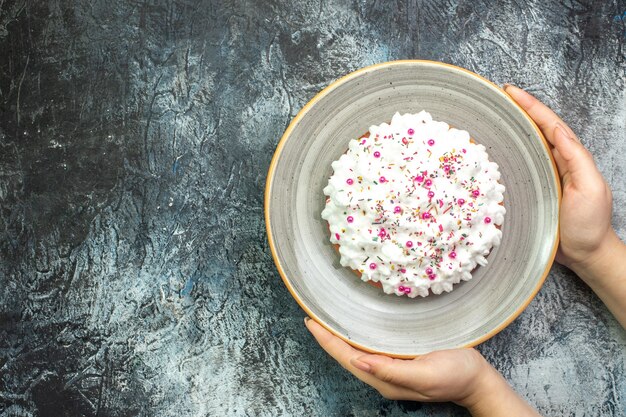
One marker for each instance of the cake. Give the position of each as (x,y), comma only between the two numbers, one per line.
(414,205)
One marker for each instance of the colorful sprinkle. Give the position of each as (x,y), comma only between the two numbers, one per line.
(461,201)
(429,271)
(409,243)
(419,178)
(428,182)
(397,209)
(411,131)
(476,193)
(337,236)
(376,154)
(349,181)
(426,215)
(431,194)
(373,266)
(452,255)
(382,179)
(350,219)
(487,220)
(431,142)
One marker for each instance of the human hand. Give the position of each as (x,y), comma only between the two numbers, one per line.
(589,245)
(585,217)
(459,375)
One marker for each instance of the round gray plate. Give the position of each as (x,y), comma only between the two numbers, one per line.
(360,313)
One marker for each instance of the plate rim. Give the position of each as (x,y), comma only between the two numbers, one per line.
(304,110)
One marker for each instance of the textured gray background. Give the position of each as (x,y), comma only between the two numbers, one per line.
(135,136)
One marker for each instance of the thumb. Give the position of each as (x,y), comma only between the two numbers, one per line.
(578,160)
(393,371)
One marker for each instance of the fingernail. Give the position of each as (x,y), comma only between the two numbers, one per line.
(563,131)
(361,365)
(506,85)
(306,320)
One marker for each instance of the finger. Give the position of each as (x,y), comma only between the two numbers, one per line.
(334,346)
(579,162)
(342,352)
(543,116)
(407,373)
(561,164)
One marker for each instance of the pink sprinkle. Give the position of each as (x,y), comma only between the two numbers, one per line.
(463,150)
(426,215)
(382,233)
(337,236)
(431,142)
(401,288)
(461,201)
(440,228)
(440,203)
(349,181)
(411,131)
(487,220)
(445,159)
(419,178)
(376,154)
(350,219)
(428,182)
(432,277)
(452,254)
(372,265)
(446,168)
(476,193)
(409,244)
(402,270)
(382,179)
(397,209)
(431,194)
(407,290)
(429,271)
(405,141)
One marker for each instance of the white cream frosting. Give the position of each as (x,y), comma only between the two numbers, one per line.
(415,205)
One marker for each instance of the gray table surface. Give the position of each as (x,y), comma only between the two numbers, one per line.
(135,137)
